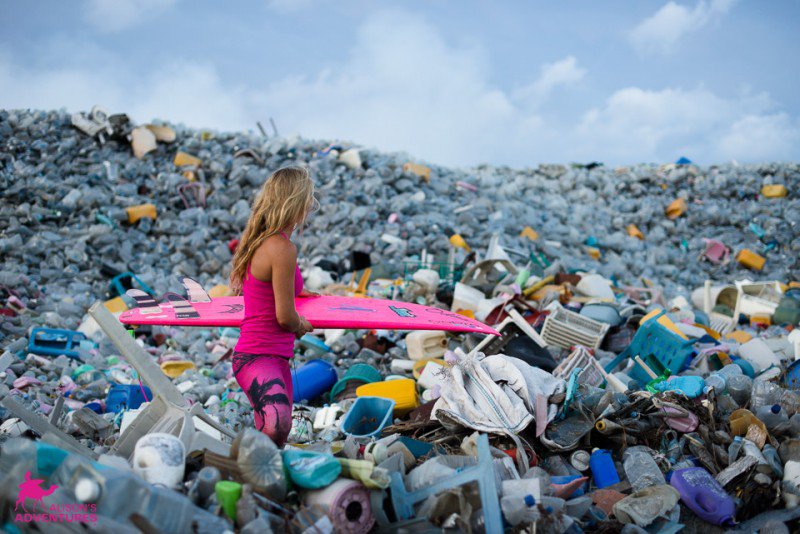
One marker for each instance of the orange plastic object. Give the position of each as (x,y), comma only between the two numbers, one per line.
(141,211)
(676,209)
(593,252)
(530,233)
(420,170)
(741,420)
(634,231)
(458,241)
(182,158)
(739,336)
(750,259)
(774,191)
(115,305)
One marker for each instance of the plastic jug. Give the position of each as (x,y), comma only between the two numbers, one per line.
(773,417)
(403,392)
(604,473)
(703,495)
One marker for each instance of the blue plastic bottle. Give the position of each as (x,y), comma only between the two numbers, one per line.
(604,473)
(704,496)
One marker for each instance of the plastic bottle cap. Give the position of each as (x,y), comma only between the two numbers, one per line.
(530,500)
(776,408)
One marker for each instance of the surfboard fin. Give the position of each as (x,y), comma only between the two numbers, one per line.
(194,290)
(144,302)
(183,308)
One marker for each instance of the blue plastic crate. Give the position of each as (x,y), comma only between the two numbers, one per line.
(55,341)
(660,348)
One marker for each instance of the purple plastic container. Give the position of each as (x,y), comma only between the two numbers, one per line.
(703,495)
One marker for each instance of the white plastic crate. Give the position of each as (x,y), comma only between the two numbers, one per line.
(566,329)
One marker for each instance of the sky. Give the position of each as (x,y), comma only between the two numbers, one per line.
(450,82)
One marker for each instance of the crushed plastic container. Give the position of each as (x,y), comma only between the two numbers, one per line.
(403,392)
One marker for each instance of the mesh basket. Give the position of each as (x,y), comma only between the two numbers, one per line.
(566,329)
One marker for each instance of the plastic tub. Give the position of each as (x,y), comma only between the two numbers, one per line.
(360,372)
(403,392)
(368,416)
(312,380)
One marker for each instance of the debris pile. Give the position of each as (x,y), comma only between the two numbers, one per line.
(645,377)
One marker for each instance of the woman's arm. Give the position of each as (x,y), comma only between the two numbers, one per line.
(284,262)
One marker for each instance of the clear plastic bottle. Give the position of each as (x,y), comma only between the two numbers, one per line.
(773,417)
(739,388)
(640,468)
(773,459)
(719,379)
(734,449)
(790,402)
(794,425)
(765,393)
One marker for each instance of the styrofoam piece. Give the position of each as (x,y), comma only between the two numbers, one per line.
(466,298)
(483,473)
(594,285)
(426,344)
(758,353)
(566,329)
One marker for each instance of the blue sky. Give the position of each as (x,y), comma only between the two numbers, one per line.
(451,82)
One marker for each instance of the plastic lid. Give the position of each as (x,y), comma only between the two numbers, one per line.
(776,408)
(529,500)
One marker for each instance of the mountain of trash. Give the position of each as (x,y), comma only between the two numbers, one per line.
(644,380)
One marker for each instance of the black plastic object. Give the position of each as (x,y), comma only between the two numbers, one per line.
(516,343)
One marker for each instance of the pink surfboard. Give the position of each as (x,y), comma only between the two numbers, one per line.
(321,312)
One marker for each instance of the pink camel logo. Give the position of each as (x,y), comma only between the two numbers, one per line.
(31,489)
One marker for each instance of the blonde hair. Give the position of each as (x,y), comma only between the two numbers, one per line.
(284,201)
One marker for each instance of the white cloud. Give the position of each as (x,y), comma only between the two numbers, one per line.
(115,15)
(564,72)
(662,31)
(640,125)
(403,87)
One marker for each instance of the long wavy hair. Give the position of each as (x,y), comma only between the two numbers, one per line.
(285,200)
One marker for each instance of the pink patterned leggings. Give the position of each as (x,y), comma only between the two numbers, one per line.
(267,381)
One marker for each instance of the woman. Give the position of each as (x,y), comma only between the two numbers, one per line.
(265,272)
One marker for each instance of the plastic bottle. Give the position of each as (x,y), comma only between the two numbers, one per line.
(751,449)
(764,393)
(790,402)
(719,379)
(704,496)
(739,388)
(773,417)
(641,469)
(773,459)
(734,449)
(604,473)
(794,425)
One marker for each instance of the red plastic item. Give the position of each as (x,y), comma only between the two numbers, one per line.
(232,244)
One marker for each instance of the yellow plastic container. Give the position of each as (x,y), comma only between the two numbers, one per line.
(634,231)
(458,241)
(182,158)
(175,368)
(739,336)
(774,191)
(115,305)
(403,392)
(530,233)
(141,211)
(675,209)
(420,170)
(750,259)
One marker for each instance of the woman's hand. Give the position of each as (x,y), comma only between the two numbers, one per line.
(304,328)
(307,294)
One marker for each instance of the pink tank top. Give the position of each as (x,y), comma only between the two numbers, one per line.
(260,332)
